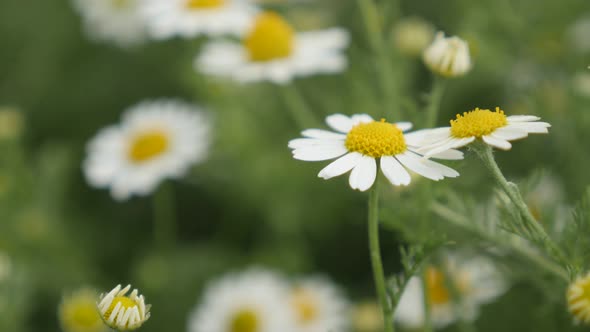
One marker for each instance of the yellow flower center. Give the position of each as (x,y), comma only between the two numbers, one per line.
(125,304)
(478,123)
(437,286)
(271,38)
(204,4)
(376,139)
(305,306)
(245,320)
(147,146)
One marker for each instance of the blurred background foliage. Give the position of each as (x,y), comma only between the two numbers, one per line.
(250,203)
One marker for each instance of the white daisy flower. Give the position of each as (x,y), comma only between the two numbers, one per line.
(118,21)
(253,301)
(360,142)
(155,140)
(192,18)
(494,128)
(475,279)
(123,312)
(319,306)
(448,56)
(273,51)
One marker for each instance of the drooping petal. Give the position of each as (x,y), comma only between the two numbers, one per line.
(532,127)
(394,171)
(509,133)
(363,174)
(497,142)
(341,165)
(418,165)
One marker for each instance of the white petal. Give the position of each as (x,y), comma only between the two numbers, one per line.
(394,171)
(404,126)
(451,154)
(340,122)
(451,143)
(428,136)
(361,118)
(532,127)
(420,165)
(497,142)
(320,133)
(309,142)
(509,133)
(319,153)
(341,165)
(363,174)
(522,118)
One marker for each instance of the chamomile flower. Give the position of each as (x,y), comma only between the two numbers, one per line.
(360,142)
(494,128)
(77,312)
(123,312)
(273,51)
(155,140)
(319,306)
(578,299)
(118,21)
(476,281)
(447,56)
(192,18)
(253,301)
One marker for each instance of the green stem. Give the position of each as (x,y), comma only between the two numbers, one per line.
(438,89)
(378,45)
(524,252)
(376,262)
(539,235)
(296,105)
(164,217)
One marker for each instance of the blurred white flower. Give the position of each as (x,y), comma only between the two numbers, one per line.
(118,21)
(494,128)
(123,312)
(475,279)
(367,317)
(273,51)
(253,301)
(319,306)
(360,142)
(448,56)
(77,312)
(156,140)
(192,18)
(412,35)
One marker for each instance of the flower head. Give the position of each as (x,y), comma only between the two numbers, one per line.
(272,50)
(192,18)
(412,35)
(253,301)
(77,312)
(360,142)
(123,312)
(319,306)
(156,140)
(474,279)
(447,56)
(118,21)
(494,128)
(578,299)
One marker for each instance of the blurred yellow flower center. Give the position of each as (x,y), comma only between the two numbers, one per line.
(578,297)
(79,313)
(305,306)
(245,320)
(478,123)
(147,146)
(376,139)
(436,286)
(125,303)
(204,4)
(271,38)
